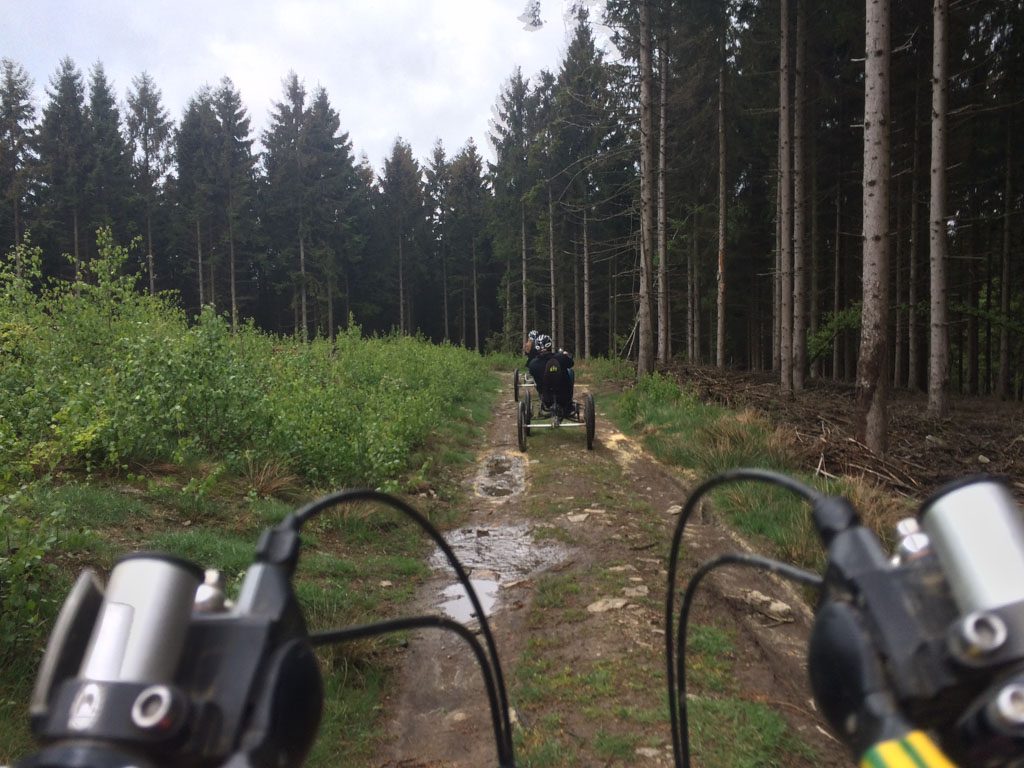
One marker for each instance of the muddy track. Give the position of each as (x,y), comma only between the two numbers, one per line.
(588,532)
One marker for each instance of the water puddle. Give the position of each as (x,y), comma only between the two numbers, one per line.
(494,557)
(457,604)
(501,476)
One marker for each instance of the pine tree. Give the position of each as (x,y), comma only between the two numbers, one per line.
(108,187)
(402,202)
(196,151)
(150,133)
(17,133)
(64,162)
(234,182)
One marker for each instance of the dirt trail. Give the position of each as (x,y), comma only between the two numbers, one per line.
(578,615)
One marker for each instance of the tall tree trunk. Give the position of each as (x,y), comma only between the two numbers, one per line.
(938,365)
(691,295)
(720,293)
(971,350)
(800,202)
(199,252)
(815,302)
(577,302)
(873,368)
(302,287)
(664,336)
(1003,386)
(330,308)
(777,272)
(522,223)
(786,173)
(444,292)
(914,255)
(149,245)
(613,304)
(645,351)
(837,283)
(897,372)
(401,285)
(231,263)
(78,258)
(476,303)
(586,285)
(551,264)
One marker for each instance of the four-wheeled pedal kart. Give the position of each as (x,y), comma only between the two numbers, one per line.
(521,380)
(529,417)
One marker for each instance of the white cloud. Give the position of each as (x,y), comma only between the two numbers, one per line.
(422,69)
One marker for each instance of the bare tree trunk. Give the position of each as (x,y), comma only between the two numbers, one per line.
(577,301)
(664,337)
(1003,386)
(720,297)
(872,368)
(522,224)
(586,284)
(777,275)
(551,265)
(645,351)
(231,263)
(691,295)
(800,202)
(476,303)
(149,244)
(613,303)
(837,281)
(786,173)
(815,298)
(401,285)
(444,291)
(78,258)
(938,366)
(199,251)
(330,308)
(914,257)
(897,372)
(302,285)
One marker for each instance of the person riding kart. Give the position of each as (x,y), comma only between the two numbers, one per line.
(552,371)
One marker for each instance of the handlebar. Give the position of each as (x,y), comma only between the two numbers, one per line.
(928,639)
(159,669)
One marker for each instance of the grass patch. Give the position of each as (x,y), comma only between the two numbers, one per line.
(731,733)
(615,746)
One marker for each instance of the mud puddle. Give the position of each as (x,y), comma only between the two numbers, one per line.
(495,557)
(501,476)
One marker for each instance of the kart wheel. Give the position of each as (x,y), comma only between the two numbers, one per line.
(521,426)
(529,411)
(515,384)
(590,418)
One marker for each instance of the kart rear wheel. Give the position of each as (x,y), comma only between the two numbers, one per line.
(521,426)
(529,410)
(590,419)
(515,384)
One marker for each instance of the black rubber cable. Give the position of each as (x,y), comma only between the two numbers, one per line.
(785,570)
(732,476)
(307,512)
(331,637)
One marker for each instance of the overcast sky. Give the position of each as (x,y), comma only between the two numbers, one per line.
(419,69)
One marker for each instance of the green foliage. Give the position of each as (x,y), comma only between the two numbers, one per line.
(95,375)
(820,342)
(25,541)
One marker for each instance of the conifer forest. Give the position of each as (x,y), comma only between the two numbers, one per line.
(821,190)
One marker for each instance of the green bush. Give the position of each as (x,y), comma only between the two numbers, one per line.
(96,375)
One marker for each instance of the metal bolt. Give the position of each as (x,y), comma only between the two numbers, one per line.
(982,633)
(1009,705)
(152,708)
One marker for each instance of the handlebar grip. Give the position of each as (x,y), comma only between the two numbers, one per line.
(915,750)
